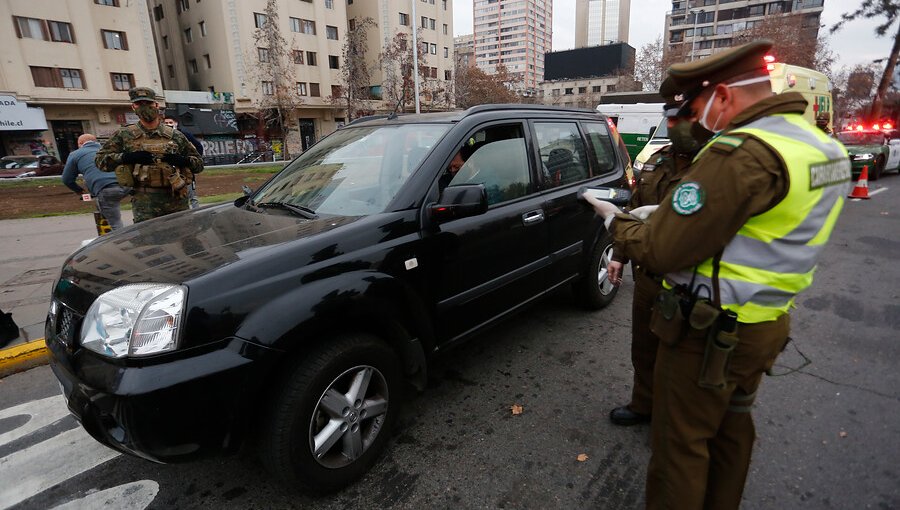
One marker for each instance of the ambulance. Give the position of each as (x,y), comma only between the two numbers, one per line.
(812,85)
(634,122)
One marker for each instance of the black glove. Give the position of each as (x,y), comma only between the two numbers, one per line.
(176,160)
(137,157)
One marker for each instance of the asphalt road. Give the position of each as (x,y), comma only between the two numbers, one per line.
(828,429)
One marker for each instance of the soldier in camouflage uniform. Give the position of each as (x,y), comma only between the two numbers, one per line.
(158,162)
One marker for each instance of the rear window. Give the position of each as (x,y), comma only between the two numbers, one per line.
(601,146)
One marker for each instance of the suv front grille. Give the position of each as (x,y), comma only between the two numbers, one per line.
(65,325)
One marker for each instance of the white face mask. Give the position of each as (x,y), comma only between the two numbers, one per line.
(709,102)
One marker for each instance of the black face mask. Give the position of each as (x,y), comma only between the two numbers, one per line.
(684,139)
(701,134)
(147,112)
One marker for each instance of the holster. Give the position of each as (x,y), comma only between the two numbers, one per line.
(720,343)
(666,319)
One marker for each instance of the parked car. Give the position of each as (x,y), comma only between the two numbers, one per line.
(293,316)
(29,166)
(872,149)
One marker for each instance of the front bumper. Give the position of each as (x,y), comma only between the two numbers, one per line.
(857,166)
(190,407)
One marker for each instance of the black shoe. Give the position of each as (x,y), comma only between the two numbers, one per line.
(626,417)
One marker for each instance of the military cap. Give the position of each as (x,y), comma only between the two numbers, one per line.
(694,77)
(672,96)
(142,94)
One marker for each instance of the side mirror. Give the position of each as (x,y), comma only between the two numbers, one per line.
(460,202)
(652,130)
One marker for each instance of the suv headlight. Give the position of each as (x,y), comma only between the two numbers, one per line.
(858,157)
(134,320)
(638,166)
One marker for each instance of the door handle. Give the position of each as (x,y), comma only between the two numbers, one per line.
(533,217)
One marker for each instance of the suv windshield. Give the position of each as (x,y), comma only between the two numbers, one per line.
(662,130)
(860,138)
(355,171)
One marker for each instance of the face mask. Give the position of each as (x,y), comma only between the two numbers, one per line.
(147,112)
(709,103)
(683,138)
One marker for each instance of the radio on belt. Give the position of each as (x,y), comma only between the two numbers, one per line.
(617,196)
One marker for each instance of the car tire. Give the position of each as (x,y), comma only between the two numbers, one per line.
(315,406)
(877,169)
(593,290)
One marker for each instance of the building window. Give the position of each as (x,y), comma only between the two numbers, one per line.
(193,64)
(314,89)
(431,23)
(30,28)
(113,40)
(202,26)
(188,35)
(337,91)
(424,22)
(610,88)
(569,91)
(301,89)
(582,90)
(446,52)
(298,56)
(445,28)
(61,32)
(268,88)
(111,3)
(404,19)
(597,88)
(158,13)
(334,62)
(331,32)
(329,4)
(311,58)
(171,71)
(433,48)
(448,75)
(295,24)
(307,27)
(122,81)
(352,23)
(444,4)
(259,19)
(71,78)
(182,5)
(207,61)
(263,54)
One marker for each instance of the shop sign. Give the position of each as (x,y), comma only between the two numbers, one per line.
(17,116)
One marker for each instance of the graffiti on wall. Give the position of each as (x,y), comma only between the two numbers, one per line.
(221,146)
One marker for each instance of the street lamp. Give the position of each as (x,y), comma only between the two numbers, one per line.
(694,39)
(415,43)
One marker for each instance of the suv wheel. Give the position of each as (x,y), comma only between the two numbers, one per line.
(333,415)
(594,290)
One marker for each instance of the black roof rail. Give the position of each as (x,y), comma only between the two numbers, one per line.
(365,119)
(518,106)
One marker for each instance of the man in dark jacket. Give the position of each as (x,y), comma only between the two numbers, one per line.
(101,185)
(172,123)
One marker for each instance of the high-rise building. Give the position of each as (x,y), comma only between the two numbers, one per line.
(601,22)
(210,47)
(698,28)
(515,33)
(434,26)
(464,50)
(65,70)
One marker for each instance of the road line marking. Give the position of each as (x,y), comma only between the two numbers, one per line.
(877,191)
(135,495)
(40,412)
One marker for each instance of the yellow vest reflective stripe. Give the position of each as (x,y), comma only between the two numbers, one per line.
(773,256)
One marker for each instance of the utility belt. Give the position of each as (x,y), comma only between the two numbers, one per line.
(158,176)
(658,278)
(679,312)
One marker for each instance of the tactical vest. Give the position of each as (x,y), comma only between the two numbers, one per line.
(159,174)
(773,256)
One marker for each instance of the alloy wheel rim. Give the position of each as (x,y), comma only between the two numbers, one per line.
(603,282)
(348,416)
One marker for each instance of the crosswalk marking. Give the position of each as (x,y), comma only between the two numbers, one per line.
(134,495)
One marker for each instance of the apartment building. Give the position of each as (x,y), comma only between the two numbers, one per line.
(515,33)
(601,22)
(464,50)
(209,46)
(434,26)
(698,28)
(65,70)
(582,76)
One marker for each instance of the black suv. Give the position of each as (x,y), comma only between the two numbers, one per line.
(294,315)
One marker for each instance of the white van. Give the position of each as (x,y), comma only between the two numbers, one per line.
(813,85)
(635,122)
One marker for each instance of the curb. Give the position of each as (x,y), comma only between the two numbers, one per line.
(22,357)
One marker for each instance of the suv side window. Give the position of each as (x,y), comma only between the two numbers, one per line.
(603,152)
(562,153)
(499,161)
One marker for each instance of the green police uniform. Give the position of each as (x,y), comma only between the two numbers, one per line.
(745,227)
(158,188)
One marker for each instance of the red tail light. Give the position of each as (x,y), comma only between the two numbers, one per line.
(888,125)
(876,127)
(859,127)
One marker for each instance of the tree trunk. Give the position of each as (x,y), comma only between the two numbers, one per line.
(885,79)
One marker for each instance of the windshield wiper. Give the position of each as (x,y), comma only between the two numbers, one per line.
(299,210)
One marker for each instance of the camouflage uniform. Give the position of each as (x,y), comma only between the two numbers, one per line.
(152,197)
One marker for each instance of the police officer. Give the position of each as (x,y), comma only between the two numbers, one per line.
(736,241)
(659,175)
(155,160)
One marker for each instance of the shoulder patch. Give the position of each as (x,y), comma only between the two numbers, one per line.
(727,143)
(688,198)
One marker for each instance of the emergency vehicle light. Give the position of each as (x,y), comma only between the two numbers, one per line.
(876,127)
(887,125)
(859,127)
(770,63)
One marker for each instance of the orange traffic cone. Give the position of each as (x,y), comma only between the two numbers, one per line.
(862,185)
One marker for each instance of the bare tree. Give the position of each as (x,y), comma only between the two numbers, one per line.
(396,61)
(889,11)
(355,73)
(648,68)
(795,42)
(475,87)
(274,66)
(853,89)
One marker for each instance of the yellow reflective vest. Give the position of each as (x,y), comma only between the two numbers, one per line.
(773,256)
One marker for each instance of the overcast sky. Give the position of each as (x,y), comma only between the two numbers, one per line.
(856,43)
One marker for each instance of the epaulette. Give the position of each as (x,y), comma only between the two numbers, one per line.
(727,143)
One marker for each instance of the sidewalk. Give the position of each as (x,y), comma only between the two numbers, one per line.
(31,254)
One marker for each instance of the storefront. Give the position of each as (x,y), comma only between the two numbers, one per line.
(23,129)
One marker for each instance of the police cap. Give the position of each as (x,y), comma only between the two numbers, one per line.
(672,96)
(694,77)
(142,94)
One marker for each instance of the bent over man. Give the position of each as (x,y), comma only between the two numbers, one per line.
(101,185)
(736,241)
(158,162)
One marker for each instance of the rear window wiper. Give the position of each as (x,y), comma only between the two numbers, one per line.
(299,210)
